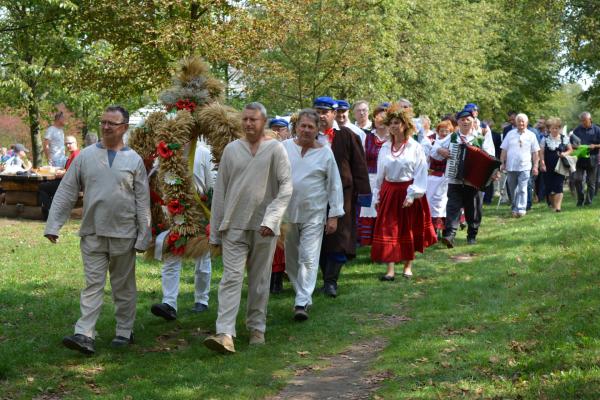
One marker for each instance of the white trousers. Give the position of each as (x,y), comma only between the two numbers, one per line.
(116,256)
(243,249)
(171,272)
(302,249)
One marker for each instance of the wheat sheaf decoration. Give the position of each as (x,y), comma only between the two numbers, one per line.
(167,143)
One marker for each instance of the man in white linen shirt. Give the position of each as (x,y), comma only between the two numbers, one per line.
(520,152)
(54,146)
(460,193)
(317,183)
(251,195)
(115,224)
(203,182)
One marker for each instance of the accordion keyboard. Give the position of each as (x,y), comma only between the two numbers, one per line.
(455,163)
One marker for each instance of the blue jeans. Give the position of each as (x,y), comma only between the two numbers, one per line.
(518,182)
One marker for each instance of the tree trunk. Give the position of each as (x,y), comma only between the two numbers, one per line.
(33,111)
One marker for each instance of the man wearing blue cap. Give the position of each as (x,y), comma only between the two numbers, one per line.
(343,119)
(338,247)
(460,193)
(281,127)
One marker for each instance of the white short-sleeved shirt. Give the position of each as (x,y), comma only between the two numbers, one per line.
(519,148)
(56,138)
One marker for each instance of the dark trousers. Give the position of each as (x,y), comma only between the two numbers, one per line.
(590,180)
(46,192)
(469,198)
(488,194)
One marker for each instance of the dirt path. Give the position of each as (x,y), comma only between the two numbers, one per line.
(347,375)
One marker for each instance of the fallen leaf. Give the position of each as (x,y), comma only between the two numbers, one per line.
(494,359)
(303,353)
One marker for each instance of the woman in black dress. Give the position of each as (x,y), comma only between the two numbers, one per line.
(554,147)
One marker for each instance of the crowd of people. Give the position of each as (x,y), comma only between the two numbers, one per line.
(389,182)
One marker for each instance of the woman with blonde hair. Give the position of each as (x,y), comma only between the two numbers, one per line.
(403,223)
(554,148)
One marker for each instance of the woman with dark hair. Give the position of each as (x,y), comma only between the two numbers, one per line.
(373,142)
(403,225)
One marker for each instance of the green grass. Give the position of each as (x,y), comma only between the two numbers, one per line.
(520,320)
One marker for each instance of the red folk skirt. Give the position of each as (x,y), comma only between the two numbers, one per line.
(400,231)
(278,259)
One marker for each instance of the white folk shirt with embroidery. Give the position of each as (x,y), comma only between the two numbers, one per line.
(445,144)
(316,181)
(410,165)
(519,148)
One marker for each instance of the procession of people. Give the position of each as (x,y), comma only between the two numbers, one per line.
(386,181)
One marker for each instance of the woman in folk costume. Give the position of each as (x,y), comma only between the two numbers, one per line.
(373,142)
(437,184)
(279,129)
(403,223)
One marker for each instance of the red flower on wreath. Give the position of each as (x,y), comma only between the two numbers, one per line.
(207,230)
(186,104)
(178,251)
(156,199)
(163,150)
(175,207)
(172,238)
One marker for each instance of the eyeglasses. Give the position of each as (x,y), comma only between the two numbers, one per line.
(112,124)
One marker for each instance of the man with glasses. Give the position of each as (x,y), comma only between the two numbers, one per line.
(47,189)
(115,224)
(361,115)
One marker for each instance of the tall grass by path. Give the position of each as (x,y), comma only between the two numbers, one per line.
(516,319)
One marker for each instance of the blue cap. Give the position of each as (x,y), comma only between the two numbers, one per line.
(343,105)
(278,122)
(385,105)
(325,103)
(471,106)
(465,112)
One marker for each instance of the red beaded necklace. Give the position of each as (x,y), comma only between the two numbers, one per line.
(398,152)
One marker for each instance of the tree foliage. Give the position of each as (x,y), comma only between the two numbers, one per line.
(440,54)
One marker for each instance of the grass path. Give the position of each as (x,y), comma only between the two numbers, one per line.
(516,318)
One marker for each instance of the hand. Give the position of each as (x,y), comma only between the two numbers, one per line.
(60,173)
(407,202)
(543,167)
(52,238)
(503,167)
(496,176)
(265,231)
(445,153)
(331,225)
(535,171)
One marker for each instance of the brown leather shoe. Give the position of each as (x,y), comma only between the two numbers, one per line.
(257,337)
(221,343)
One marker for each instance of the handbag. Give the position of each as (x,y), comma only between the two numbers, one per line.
(563,169)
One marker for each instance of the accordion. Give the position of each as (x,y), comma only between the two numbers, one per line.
(471,164)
